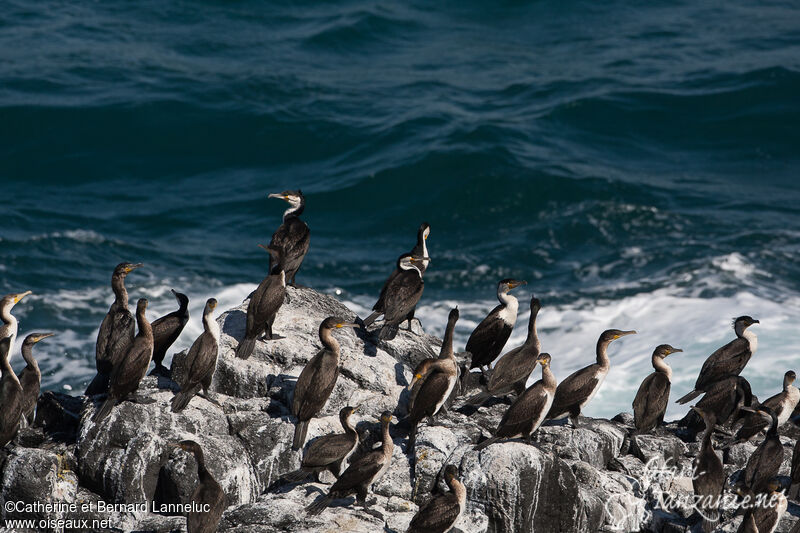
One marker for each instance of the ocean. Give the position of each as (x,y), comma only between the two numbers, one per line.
(636,162)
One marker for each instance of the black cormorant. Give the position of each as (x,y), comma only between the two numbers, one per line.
(201,360)
(764,512)
(728,361)
(794,475)
(511,372)
(488,338)
(329,452)
(765,461)
(292,237)
(166,331)
(723,400)
(441,513)
(10,396)
(579,388)
(131,367)
(402,294)
(527,413)
(361,474)
(316,381)
(437,382)
(207,493)
(708,477)
(782,404)
(116,332)
(30,378)
(10,324)
(651,399)
(264,304)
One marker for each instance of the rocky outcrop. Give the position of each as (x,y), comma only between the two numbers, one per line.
(593,478)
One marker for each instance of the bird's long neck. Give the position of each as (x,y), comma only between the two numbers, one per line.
(707,437)
(459,491)
(7,371)
(773,426)
(210,325)
(27,354)
(661,366)
(120,292)
(744,333)
(422,246)
(328,340)
(548,378)
(507,299)
(6,316)
(387,446)
(294,210)
(602,353)
(447,342)
(533,335)
(202,472)
(145,329)
(346,425)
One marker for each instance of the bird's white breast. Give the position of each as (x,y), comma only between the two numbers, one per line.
(508,314)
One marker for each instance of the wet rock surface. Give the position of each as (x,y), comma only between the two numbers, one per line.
(592,478)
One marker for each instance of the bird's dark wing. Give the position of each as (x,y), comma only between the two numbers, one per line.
(488,338)
(381,303)
(521,414)
(651,400)
(360,471)
(763,464)
(402,296)
(314,385)
(30,383)
(270,297)
(574,390)
(729,360)
(211,494)
(115,335)
(126,375)
(513,367)
(437,516)
(293,238)
(430,393)
(201,358)
(328,449)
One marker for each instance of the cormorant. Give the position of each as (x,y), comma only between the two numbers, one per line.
(488,338)
(763,515)
(708,477)
(10,396)
(292,237)
(166,331)
(765,461)
(512,370)
(10,323)
(579,388)
(794,475)
(438,381)
(402,295)
(116,332)
(264,304)
(207,493)
(361,474)
(420,250)
(442,512)
(131,367)
(723,400)
(527,413)
(782,404)
(651,400)
(30,378)
(329,452)
(201,360)
(316,381)
(727,361)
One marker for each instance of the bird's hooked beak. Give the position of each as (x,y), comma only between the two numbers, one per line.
(42,336)
(20,296)
(347,325)
(279,196)
(676,350)
(515,284)
(624,333)
(419,258)
(131,268)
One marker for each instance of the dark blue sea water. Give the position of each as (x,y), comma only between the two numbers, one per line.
(636,162)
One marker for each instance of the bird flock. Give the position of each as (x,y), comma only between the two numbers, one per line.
(126,345)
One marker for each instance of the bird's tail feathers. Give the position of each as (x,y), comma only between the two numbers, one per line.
(245,347)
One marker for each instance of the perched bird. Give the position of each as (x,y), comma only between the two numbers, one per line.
(765,461)
(329,452)
(489,337)
(30,378)
(763,515)
(207,493)
(116,332)
(420,250)
(402,294)
(132,367)
(10,323)
(579,388)
(782,404)
(316,381)
(438,379)
(727,361)
(361,474)
(723,399)
(651,399)
(166,331)
(200,362)
(794,475)
(264,304)
(511,372)
(441,513)
(526,414)
(708,477)
(10,396)
(291,237)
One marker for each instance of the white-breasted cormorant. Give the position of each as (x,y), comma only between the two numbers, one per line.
(438,379)
(652,398)
(419,250)
(402,294)
(329,452)
(207,493)
(10,396)
(764,463)
(10,324)
(30,378)
(201,360)
(526,414)
(441,513)
(574,392)
(293,235)
(166,331)
(317,379)
(708,479)
(116,332)
(264,304)
(782,404)
(727,361)
(490,336)
(511,372)
(129,370)
(361,474)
